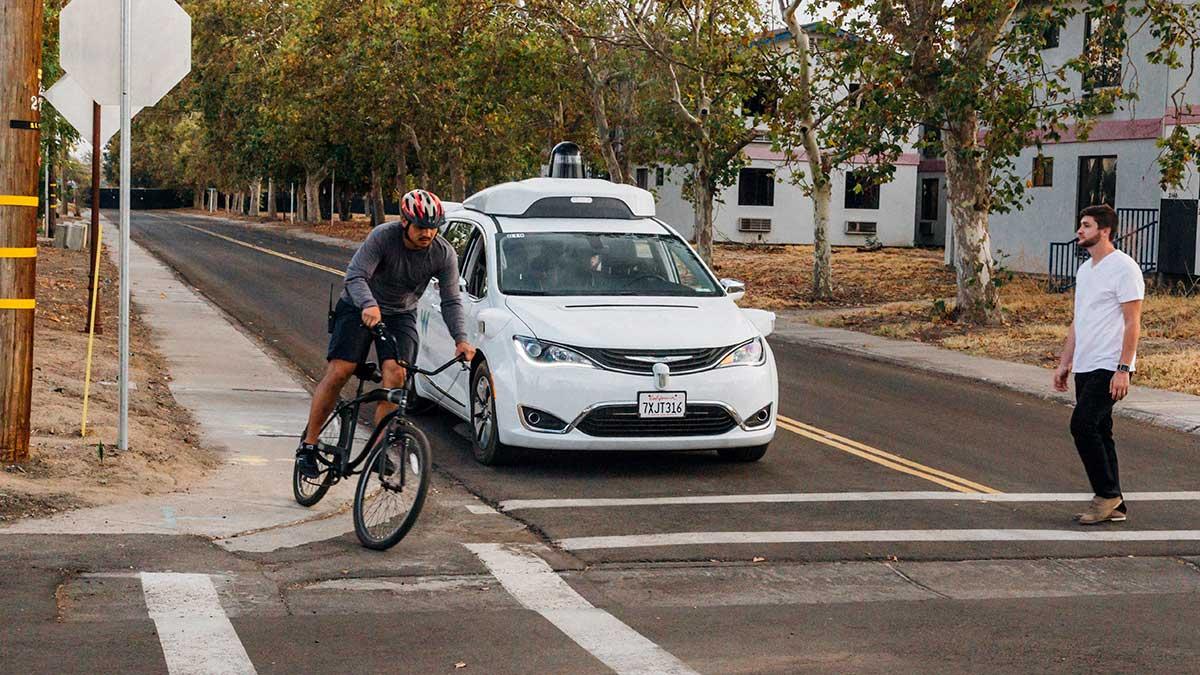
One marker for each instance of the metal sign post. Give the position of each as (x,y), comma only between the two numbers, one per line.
(126,123)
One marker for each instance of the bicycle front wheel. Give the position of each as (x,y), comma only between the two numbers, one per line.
(392,487)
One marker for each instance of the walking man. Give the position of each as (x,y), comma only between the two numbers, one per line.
(1101,349)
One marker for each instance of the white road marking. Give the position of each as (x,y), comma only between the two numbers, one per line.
(536,586)
(850,536)
(482,510)
(798,497)
(195,633)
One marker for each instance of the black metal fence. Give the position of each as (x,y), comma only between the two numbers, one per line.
(1136,235)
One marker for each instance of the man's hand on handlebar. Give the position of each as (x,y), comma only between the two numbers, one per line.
(465,351)
(371,316)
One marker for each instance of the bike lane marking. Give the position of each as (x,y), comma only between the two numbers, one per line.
(195,633)
(534,584)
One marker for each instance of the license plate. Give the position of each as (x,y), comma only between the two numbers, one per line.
(662,404)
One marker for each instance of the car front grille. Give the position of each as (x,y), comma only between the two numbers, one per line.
(641,361)
(622,421)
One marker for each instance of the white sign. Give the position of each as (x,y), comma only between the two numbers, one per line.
(90,50)
(74,104)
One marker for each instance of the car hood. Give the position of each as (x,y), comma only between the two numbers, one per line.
(634,323)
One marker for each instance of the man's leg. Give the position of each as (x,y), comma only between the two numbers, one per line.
(393,378)
(325,396)
(1093,405)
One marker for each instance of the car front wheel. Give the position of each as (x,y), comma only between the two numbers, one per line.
(485,428)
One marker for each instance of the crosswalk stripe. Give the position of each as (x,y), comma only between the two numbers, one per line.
(535,585)
(195,633)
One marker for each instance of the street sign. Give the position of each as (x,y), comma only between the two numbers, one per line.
(90,34)
(74,104)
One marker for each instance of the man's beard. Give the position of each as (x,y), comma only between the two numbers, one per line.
(1088,243)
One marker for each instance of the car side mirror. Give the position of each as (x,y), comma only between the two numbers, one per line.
(736,290)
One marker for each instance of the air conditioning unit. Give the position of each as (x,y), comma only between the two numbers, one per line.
(861,227)
(754,224)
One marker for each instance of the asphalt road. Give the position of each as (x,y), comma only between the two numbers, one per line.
(707,586)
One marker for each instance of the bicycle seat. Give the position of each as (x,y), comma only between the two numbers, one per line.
(368,372)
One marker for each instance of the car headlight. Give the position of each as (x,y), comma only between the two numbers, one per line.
(748,354)
(549,354)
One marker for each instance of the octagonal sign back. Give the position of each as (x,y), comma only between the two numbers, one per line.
(90,35)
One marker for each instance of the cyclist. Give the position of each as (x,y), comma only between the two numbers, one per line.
(384,280)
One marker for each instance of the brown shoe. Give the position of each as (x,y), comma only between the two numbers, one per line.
(1096,499)
(1104,510)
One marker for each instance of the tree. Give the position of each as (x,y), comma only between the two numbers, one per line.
(711,63)
(972,72)
(826,111)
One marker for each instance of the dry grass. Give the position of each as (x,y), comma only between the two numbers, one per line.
(1035,325)
(780,277)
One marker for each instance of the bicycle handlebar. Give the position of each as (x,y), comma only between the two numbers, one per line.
(380,331)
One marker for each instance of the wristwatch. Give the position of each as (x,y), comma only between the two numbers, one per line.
(1124,368)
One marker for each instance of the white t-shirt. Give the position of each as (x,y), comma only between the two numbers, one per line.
(1100,289)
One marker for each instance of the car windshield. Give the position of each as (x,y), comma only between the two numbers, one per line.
(587,263)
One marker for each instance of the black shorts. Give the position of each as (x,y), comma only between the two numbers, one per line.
(349,338)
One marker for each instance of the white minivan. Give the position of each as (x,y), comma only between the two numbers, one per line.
(597,327)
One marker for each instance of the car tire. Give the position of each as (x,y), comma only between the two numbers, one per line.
(485,430)
(752,453)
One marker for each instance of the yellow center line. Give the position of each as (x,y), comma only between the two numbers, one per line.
(268,251)
(887,459)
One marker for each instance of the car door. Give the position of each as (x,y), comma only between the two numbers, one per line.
(475,298)
(437,346)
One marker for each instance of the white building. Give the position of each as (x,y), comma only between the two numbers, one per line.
(764,206)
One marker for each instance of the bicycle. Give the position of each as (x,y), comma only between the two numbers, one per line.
(393,466)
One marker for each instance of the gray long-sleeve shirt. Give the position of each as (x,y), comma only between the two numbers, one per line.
(386,273)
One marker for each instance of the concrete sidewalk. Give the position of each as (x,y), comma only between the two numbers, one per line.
(247,406)
(1163,408)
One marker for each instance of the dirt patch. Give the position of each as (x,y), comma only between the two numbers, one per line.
(1035,325)
(66,470)
(780,277)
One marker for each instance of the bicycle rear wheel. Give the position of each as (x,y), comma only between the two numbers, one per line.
(310,490)
(392,487)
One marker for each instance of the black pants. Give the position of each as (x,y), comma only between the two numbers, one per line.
(1091,425)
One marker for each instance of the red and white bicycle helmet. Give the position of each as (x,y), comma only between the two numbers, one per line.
(423,209)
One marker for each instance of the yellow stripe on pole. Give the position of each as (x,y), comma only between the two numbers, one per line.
(6,303)
(18,200)
(27,252)
(87,377)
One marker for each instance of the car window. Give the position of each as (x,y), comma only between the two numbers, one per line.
(458,234)
(475,270)
(584,263)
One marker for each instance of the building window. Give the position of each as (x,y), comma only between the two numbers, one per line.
(1103,41)
(1097,181)
(660,176)
(1043,171)
(756,187)
(1050,37)
(861,227)
(643,178)
(929,199)
(861,193)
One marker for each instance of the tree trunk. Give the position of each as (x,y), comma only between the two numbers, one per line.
(401,172)
(255,197)
(271,210)
(458,176)
(703,195)
(822,282)
(423,174)
(197,198)
(967,186)
(312,194)
(375,199)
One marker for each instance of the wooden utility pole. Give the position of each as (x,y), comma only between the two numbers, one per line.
(20,117)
